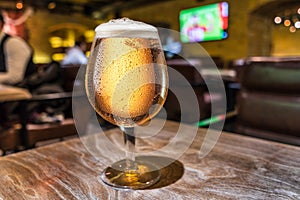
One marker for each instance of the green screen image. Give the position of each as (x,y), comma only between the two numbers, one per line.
(204,23)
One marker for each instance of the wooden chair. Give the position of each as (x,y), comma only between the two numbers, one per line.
(10,140)
(269,99)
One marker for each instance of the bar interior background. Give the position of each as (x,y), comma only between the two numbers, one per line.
(52,26)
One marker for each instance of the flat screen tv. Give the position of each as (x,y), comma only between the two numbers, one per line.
(204,23)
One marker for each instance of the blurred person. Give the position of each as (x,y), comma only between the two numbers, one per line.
(15,58)
(75,55)
(15,65)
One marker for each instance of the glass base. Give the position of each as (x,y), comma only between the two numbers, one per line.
(141,176)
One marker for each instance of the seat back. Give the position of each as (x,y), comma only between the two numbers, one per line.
(69,73)
(183,77)
(269,99)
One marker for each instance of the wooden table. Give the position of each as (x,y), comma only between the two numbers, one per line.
(238,167)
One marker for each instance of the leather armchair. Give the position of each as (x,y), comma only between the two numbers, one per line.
(269,99)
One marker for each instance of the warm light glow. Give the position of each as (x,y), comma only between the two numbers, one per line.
(51,5)
(292,29)
(277,20)
(96,15)
(55,42)
(287,22)
(19,5)
(89,35)
(68,43)
(297,24)
(58,56)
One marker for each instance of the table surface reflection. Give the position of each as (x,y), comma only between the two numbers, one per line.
(238,167)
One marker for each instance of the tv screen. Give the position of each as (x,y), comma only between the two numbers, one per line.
(204,23)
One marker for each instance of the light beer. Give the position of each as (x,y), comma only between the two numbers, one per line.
(126,85)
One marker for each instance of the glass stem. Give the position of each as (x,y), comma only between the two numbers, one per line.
(129,141)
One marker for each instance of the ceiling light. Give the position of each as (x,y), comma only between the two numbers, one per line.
(19,5)
(297,24)
(287,22)
(277,20)
(292,29)
(51,5)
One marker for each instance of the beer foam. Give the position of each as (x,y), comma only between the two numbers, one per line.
(125,27)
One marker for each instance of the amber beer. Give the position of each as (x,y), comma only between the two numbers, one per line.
(126,83)
(127,90)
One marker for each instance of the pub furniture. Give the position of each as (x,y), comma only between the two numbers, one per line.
(183,75)
(196,73)
(11,139)
(238,167)
(26,134)
(269,98)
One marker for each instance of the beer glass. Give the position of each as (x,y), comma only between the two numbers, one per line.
(127,84)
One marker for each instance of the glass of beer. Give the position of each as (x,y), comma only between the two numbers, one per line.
(127,84)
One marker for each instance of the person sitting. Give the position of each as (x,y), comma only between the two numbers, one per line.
(75,55)
(15,58)
(15,65)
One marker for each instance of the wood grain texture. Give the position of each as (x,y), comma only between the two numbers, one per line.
(238,167)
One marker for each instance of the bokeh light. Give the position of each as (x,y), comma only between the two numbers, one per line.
(292,29)
(277,20)
(287,22)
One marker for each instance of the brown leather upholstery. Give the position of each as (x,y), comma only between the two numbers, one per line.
(181,69)
(69,73)
(269,100)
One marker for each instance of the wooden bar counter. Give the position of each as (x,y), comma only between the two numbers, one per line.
(238,167)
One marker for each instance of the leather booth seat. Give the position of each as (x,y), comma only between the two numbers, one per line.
(189,99)
(269,99)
